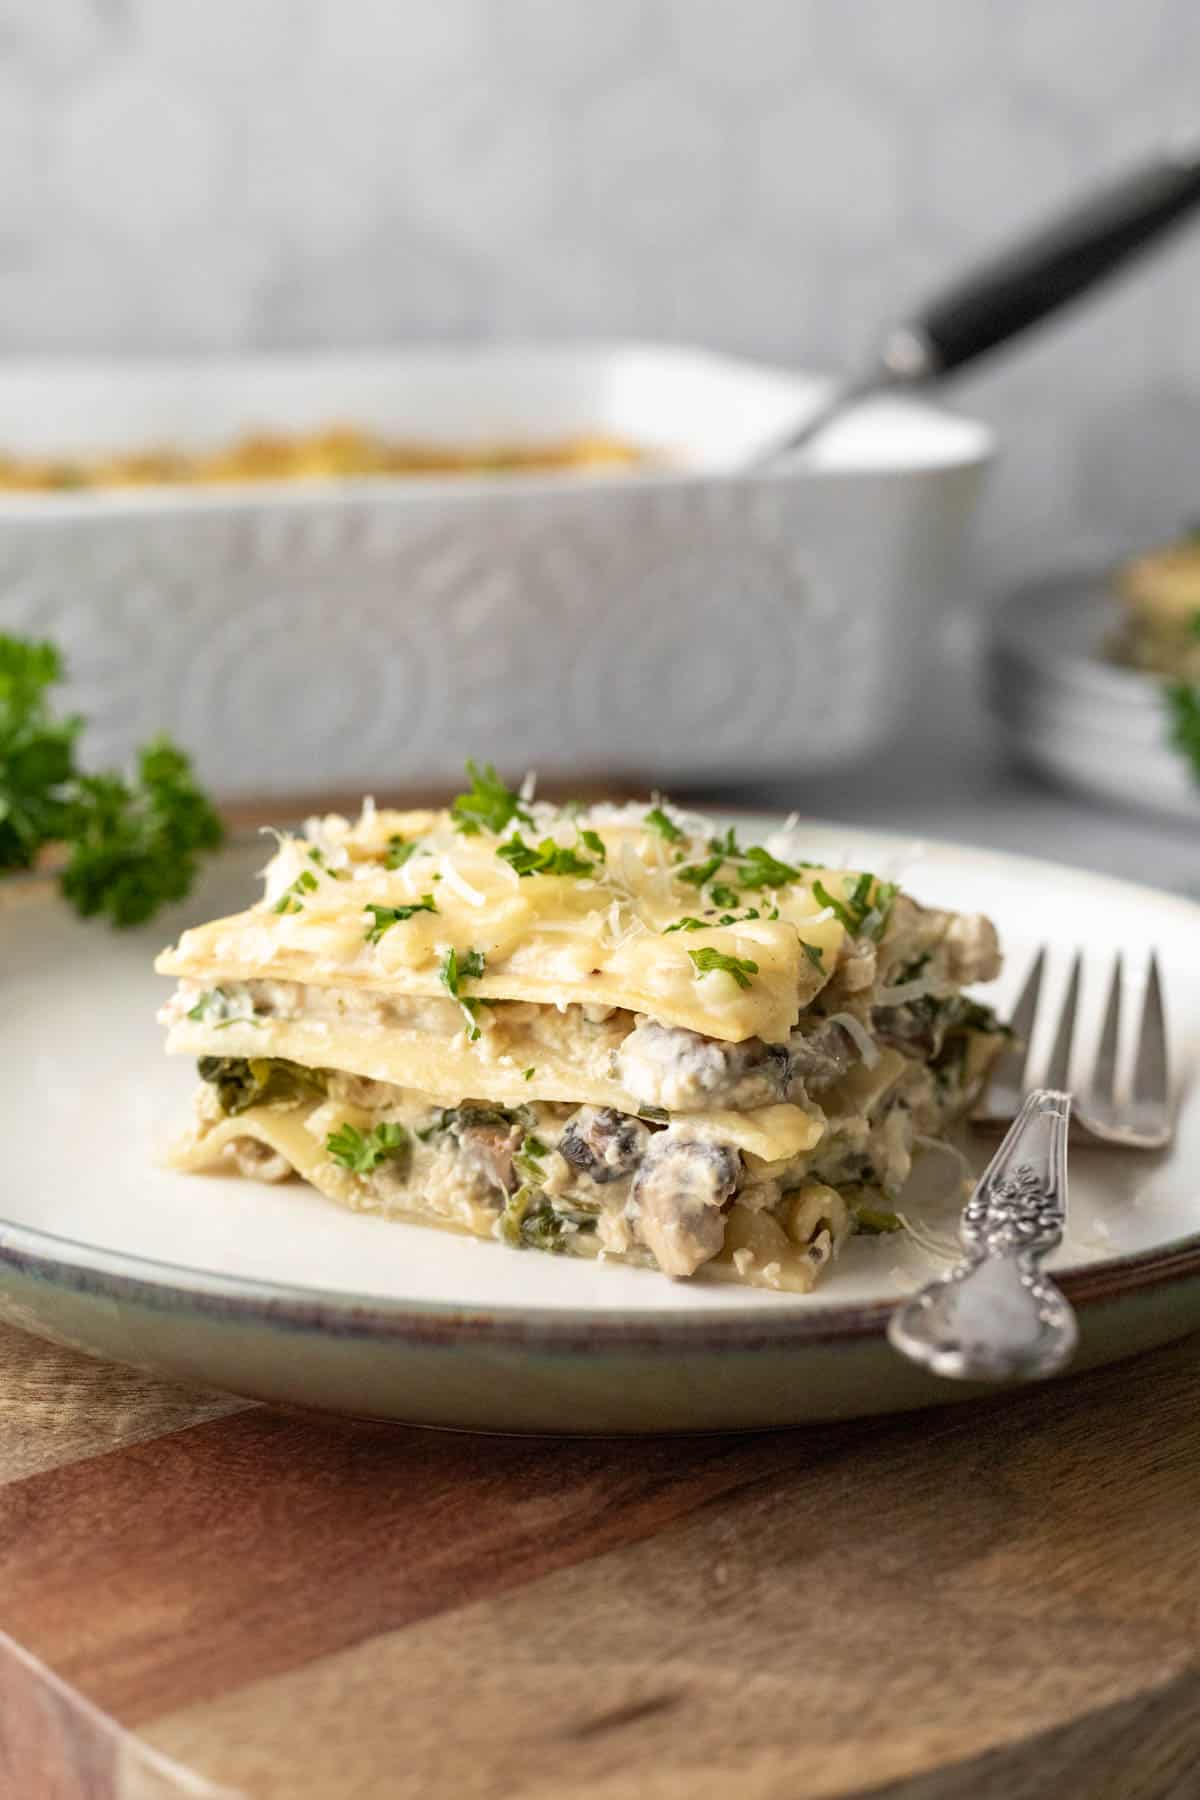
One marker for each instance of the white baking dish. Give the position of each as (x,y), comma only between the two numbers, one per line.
(682,622)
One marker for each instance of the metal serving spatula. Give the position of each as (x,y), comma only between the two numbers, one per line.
(1015,289)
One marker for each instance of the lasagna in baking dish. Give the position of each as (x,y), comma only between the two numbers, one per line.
(615,1032)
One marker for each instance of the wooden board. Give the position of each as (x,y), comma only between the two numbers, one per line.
(202,1598)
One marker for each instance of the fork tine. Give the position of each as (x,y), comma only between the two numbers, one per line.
(1058,1069)
(1007,1085)
(1151,1083)
(1103,1089)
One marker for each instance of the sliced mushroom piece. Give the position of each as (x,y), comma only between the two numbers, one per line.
(677,1200)
(603,1144)
(972,949)
(486,1153)
(258,1161)
(819,1057)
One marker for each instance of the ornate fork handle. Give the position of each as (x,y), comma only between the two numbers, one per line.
(995,1316)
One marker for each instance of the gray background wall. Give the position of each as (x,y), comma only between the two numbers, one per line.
(769,176)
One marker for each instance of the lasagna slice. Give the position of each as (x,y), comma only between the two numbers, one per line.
(613,1032)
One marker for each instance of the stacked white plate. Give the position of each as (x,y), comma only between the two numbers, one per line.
(1065,710)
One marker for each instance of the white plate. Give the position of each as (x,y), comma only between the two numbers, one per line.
(273,1292)
(1067,711)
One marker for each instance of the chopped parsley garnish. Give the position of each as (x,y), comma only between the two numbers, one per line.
(700,874)
(317,856)
(1194,623)
(760,869)
(488,805)
(753,868)
(814,955)
(691,923)
(217,1008)
(387,916)
(658,821)
(1183,706)
(454,971)
(658,1115)
(529,1073)
(709,962)
(592,841)
(289,901)
(362,1152)
(399,850)
(548,858)
(858,912)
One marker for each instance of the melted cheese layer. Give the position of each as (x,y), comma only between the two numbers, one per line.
(601,938)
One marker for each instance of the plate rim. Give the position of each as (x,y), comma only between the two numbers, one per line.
(73,1263)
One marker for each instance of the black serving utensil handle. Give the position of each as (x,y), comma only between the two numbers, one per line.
(1040,273)
(1014,290)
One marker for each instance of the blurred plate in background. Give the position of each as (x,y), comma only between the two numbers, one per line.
(1065,710)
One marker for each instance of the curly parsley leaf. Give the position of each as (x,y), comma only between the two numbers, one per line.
(488,805)
(548,858)
(132,845)
(134,848)
(362,1151)
(387,916)
(709,962)
(37,753)
(666,828)
(1183,707)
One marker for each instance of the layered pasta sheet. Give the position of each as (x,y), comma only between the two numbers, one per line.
(615,1032)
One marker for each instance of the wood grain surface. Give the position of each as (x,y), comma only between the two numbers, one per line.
(202,1598)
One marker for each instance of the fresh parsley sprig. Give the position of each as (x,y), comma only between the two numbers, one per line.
(709,962)
(387,916)
(488,805)
(866,905)
(132,846)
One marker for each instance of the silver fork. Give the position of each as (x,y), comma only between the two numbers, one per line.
(1103,1113)
(996,1315)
